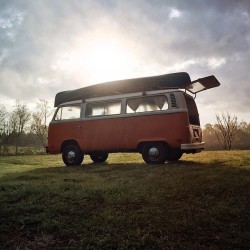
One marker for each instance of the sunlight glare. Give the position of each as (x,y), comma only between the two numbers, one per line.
(108,61)
(99,61)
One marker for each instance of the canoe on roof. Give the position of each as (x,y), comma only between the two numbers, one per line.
(179,80)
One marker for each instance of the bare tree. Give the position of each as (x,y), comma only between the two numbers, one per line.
(3,116)
(226,128)
(43,109)
(39,129)
(19,118)
(2,113)
(39,121)
(209,137)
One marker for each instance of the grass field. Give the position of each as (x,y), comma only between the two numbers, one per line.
(201,202)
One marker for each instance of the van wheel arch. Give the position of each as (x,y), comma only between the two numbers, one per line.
(142,144)
(68,142)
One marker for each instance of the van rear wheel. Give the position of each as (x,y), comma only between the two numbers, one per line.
(154,153)
(72,155)
(99,156)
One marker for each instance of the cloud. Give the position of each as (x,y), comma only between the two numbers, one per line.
(174,13)
(216,62)
(44,44)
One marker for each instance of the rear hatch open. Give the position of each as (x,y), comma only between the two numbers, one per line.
(202,84)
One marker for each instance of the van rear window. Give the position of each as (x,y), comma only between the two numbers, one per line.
(192,111)
(147,104)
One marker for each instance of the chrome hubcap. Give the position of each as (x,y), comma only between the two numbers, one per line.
(154,153)
(71,156)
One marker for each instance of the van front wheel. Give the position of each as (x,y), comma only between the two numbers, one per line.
(72,155)
(154,153)
(99,156)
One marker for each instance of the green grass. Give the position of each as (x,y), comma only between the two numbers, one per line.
(201,202)
(11,150)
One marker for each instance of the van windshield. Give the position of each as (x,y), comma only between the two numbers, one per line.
(68,113)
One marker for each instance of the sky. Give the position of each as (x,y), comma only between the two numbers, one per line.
(51,46)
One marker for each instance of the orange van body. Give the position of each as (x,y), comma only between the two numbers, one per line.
(159,124)
(120,134)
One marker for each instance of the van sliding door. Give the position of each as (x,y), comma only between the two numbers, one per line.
(103,127)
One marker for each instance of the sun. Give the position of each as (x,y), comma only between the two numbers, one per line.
(108,61)
(97,60)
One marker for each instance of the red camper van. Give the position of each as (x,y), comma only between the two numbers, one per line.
(155,116)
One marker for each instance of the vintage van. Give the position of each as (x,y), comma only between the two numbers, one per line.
(155,116)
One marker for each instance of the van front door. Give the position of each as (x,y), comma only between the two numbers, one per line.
(65,126)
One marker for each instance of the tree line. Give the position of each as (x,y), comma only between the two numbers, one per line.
(228,133)
(23,127)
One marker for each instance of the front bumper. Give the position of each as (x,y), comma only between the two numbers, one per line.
(197,147)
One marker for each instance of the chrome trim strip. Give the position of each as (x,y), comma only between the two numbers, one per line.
(66,121)
(161,112)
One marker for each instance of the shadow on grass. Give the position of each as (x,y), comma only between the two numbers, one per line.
(126,166)
(128,205)
(105,167)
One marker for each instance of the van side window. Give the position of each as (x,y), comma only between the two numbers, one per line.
(147,104)
(105,108)
(68,113)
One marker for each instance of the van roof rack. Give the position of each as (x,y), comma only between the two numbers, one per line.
(180,80)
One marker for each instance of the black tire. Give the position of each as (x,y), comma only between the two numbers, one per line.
(72,155)
(174,155)
(99,156)
(154,153)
